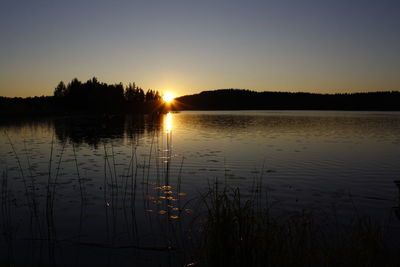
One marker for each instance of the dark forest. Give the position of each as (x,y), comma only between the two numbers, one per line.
(86,97)
(237,99)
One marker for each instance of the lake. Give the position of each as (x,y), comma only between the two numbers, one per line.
(119,190)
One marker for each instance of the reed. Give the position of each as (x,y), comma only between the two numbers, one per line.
(237,233)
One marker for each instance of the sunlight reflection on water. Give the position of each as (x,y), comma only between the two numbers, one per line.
(168,122)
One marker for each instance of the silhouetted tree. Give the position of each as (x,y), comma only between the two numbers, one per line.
(60,90)
(94,96)
(130,92)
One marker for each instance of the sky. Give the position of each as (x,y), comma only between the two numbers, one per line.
(185,47)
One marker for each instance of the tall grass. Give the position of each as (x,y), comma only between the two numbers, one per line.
(238,233)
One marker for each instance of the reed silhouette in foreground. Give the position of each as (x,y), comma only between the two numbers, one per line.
(240,232)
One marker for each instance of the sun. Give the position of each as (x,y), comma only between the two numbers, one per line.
(168,98)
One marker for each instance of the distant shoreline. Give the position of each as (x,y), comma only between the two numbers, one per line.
(217,100)
(237,99)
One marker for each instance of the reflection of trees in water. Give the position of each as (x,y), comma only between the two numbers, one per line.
(21,124)
(397,209)
(218,122)
(141,124)
(95,130)
(301,122)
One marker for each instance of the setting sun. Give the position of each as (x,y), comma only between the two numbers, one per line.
(168,97)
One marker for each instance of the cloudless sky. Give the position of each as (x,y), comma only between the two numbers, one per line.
(188,46)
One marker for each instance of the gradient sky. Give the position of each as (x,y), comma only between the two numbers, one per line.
(189,46)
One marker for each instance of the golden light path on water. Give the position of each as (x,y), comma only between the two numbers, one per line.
(168,122)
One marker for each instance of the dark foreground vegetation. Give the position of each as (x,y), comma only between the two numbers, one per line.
(91,96)
(235,99)
(240,232)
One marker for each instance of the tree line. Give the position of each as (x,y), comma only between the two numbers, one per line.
(239,99)
(95,96)
(91,96)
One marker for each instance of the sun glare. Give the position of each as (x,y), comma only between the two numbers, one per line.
(168,97)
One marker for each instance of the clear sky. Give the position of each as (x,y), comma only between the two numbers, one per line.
(189,46)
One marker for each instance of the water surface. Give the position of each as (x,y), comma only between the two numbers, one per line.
(136,181)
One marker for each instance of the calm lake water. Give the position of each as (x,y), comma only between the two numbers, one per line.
(119,190)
